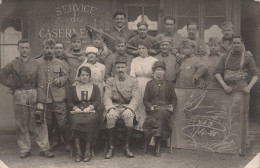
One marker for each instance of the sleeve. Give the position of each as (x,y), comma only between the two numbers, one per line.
(173,97)
(63,77)
(5,78)
(108,66)
(146,98)
(97,97)
(41,83)
(108,94)
(221,66)
(131,46)
(155,45)
(70,101)
(132,70)
(135,96)
(254,71)
(201,69)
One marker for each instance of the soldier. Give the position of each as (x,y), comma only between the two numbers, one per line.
(228,32)
(103,51)
(75,56)
(28,83)
(142,37)
(211,61)
(120,29)
(170,32)
(120,52)
(168,58)
(233,68)
(120,101)
(59,54)
(192,68)
(55,77)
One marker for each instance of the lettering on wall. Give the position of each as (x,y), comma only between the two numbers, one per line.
(76,16)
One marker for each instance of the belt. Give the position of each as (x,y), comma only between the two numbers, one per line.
(29,86)
(120,101)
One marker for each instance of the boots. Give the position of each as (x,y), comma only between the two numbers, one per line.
(110,150)
(157,152)
(88,152)
(128,136)
(50,137)
(78,150)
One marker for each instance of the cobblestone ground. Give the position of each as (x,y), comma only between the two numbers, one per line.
(180,158)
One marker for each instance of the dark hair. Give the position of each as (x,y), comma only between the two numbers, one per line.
(192,23)
(49,42)
(86,69)
(73,36)
(169,18)
(238,36)
(23,41)
(148,46)
(60,42)
(119,13)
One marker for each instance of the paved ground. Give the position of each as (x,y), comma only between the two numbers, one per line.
(178,159)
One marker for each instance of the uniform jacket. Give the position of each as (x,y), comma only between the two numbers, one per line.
(175,39)
(200,48)
(18,73)
(54,69)
(128,88)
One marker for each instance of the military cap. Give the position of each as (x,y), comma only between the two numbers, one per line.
(49,42)
(165,39)
(214,40)
(187,42)
(142,23)
(158,64)
(75,37)
(91,50)
(227,25)
(121,59)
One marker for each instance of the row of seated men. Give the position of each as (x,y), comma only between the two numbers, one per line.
(138,81)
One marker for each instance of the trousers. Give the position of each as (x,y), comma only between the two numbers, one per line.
(111,122)
(24,118)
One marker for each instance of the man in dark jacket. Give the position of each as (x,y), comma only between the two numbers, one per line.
(28,81)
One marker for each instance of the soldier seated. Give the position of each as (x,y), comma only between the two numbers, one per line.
(120,101)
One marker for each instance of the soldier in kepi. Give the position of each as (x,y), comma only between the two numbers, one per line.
(55,78)
(120,100)
(25,76)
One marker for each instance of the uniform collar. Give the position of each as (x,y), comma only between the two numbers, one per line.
(119,29)
(25,59)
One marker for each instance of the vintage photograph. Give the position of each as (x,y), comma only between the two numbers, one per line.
(129,83)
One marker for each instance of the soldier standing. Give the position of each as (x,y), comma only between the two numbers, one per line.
(28,83)
(120,101)
(55,77)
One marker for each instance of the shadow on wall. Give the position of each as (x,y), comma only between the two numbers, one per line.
(7,121)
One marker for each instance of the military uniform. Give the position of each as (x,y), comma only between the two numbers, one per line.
(121,95)
(56,96)
(175,39)
(27,81)
(200,47)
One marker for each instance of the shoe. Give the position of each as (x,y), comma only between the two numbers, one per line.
(110,153)
(128,152)
(47,154)
(78,158)
(25,154)
(87,157)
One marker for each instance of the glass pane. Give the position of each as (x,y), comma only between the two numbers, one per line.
(134,12)
(212,28)
(187,7)
(182,22)
(215,8)
(151,17)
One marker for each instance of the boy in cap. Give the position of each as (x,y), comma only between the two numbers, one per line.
(75,56)
(103,51)
(120,52)
(211,61)
(142,37)
(55,78)
(120,101)
(228,32)
(168,58)
(192,68)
